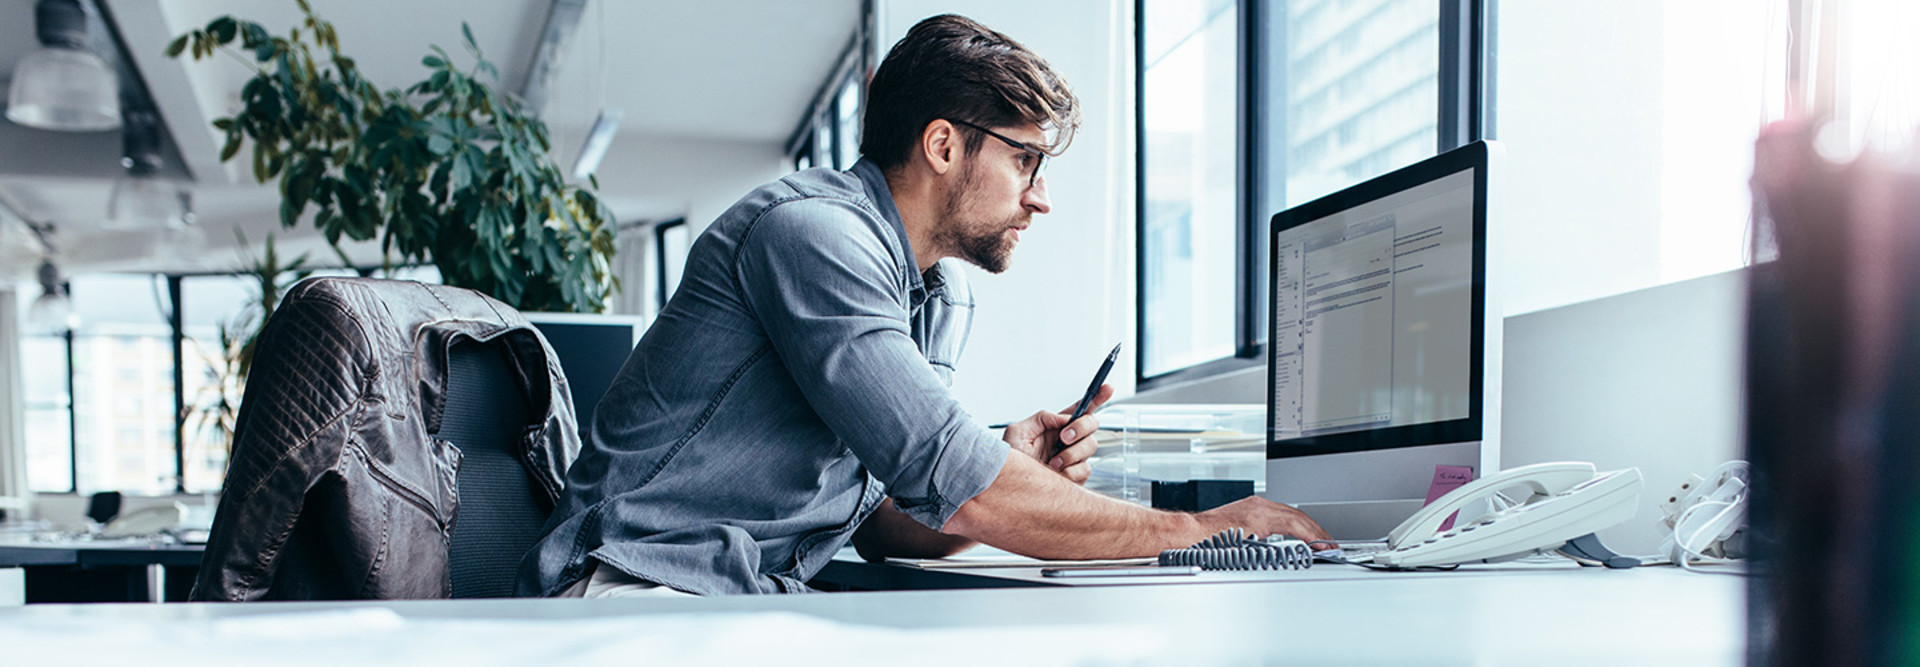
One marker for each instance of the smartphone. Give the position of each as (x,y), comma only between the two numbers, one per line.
(1148,571)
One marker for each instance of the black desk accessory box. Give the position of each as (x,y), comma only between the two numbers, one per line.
(1199,495)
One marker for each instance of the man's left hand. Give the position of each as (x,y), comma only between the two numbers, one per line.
(1064,447)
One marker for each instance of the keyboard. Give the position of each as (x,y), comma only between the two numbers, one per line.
(1359,551)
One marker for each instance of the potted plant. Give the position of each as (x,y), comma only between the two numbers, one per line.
(448,171)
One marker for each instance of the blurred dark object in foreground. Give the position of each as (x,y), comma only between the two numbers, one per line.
(1833,406)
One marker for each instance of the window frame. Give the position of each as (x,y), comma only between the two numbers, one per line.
(1465,90)
(661,292)
(819,139)
(178,340)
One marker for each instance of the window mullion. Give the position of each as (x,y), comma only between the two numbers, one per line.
(174,322)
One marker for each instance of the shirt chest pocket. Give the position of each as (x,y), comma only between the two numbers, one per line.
(940,329)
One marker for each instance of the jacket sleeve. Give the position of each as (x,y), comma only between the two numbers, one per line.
(290,432)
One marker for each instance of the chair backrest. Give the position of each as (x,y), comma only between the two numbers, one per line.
(500,512)
(103,506)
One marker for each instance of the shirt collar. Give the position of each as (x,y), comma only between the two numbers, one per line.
(882,196)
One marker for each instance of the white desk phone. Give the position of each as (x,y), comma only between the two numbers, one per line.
(1564,501)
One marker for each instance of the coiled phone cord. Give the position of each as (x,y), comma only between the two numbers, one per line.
(1235,549)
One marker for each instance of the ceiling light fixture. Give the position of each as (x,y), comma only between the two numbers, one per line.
(61,85)
(595,148)
(608,122)
(53,309)
(141,197)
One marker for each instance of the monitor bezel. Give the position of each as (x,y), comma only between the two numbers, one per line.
(1472,157)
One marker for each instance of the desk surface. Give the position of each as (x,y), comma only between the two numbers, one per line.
(98,553)
(847,571)
(1581,617)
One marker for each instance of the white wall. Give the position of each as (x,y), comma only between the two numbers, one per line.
(1043,326)
(657,178)
(13,460)
(1649,379)
(1629,129)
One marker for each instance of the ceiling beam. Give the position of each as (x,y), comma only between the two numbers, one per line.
(563,20)
(174,91)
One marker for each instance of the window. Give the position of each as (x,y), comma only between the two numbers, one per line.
(213,329)
(122,385)
(49,411)
(1247,108)
(671,240)
(1190,174)
(846,126)
(829,133)
(107,409)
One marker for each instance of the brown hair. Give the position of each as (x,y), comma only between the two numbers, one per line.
(952,67)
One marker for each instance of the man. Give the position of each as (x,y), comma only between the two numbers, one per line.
(794,393)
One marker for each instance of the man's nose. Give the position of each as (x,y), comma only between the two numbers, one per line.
(1035,198)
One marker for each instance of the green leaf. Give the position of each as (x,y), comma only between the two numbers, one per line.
(223,29)
(433,62)
(260,163)
(462,175)
(178,45)
(467,31)
(253,34)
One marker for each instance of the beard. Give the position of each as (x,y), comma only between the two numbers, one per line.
(983,243)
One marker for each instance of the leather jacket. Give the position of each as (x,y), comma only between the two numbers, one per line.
(336,486)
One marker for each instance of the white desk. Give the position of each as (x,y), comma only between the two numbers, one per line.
(1580,617)
(848,572)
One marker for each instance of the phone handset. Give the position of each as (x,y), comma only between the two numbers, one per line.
(1565,501)
(1544,479)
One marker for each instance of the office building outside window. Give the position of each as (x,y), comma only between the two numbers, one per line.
(123,404)
(210,378)
(49,405)
(1247,108)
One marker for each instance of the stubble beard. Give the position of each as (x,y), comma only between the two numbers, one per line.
(984,245)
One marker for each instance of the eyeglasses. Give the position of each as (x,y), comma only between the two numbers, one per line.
(1039,157)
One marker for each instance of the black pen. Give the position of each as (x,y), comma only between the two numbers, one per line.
(1099,378)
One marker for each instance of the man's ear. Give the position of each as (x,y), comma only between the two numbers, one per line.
(940,146)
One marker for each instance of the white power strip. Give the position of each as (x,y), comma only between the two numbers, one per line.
(1703,514)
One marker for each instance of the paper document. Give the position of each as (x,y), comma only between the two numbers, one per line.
(985,556)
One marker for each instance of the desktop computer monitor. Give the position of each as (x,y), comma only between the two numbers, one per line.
(591,350)
(1384,343)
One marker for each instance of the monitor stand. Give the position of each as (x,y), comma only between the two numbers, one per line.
(1364,495)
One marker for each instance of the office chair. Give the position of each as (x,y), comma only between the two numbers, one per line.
(501,513)
(396,440)
(103,506)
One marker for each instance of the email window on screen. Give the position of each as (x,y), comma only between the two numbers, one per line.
(1373,313)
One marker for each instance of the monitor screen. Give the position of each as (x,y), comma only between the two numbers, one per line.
(591,349)
(1377,312)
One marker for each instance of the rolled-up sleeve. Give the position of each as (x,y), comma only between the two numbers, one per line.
(820,276)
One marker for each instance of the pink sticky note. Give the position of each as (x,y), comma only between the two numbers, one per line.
(1447,478)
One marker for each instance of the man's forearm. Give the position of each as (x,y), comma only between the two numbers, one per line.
(1032,511)
(888,532)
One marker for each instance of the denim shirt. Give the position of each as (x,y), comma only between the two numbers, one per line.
(799,375)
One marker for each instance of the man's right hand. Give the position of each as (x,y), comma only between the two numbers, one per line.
(1265,517)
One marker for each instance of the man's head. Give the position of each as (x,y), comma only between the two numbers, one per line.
(954,86)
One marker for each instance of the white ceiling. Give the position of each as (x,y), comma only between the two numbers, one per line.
(723,72)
